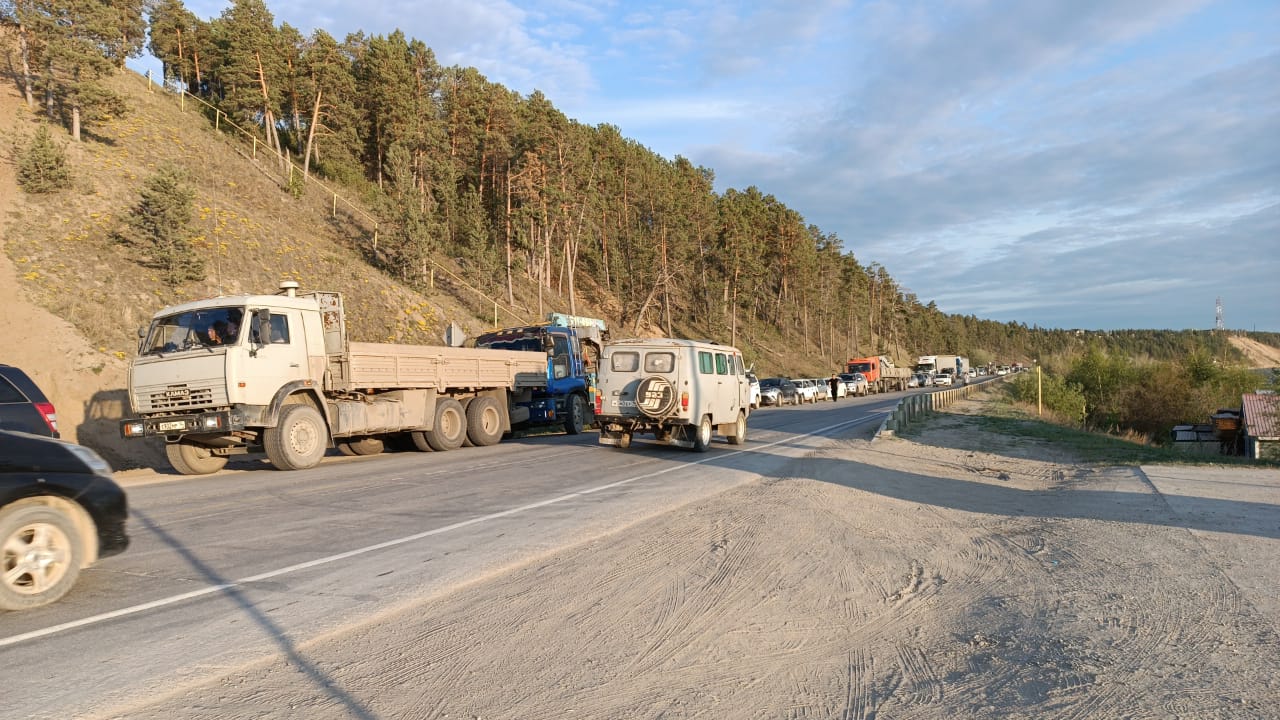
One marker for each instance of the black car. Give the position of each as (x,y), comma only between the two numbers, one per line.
(60,511)
(788,394)
(23,407)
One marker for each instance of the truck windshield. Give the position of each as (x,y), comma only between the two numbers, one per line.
(511,340)
(860,367)
(206,327)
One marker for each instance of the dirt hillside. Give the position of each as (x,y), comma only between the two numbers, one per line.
(1260,355)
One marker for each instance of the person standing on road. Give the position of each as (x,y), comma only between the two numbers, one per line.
(835,386)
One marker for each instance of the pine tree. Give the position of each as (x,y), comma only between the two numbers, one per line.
(159,227)
(42,165)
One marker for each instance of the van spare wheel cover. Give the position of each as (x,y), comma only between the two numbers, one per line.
(655,397)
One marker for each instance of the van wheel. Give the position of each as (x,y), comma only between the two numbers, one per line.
(484,421)
(739,435)
(450,426)
(40,556)
(576,410)
(702,436)
(191,459)
(298,440)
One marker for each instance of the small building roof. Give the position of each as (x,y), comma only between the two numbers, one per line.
(1262,416)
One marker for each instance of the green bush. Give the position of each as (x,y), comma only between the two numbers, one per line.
(1062,398)
(42,165)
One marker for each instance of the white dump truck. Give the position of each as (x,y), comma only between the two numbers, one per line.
(277,374)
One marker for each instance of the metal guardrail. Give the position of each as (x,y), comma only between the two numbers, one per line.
(914,407)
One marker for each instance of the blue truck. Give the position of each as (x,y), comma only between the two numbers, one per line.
(572,345)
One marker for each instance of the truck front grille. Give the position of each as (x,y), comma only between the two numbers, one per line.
(173,398)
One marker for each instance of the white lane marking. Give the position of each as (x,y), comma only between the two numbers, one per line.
(173,599)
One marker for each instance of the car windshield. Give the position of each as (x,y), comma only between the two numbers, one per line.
(205,327)
(771,382)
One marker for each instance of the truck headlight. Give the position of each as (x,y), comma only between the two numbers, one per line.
(134,429)
(212,422)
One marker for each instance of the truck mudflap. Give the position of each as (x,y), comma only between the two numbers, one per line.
(212,422)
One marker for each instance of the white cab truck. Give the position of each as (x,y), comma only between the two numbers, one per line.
(277,374)
(679,391)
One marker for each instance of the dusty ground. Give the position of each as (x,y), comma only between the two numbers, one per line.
(954,575)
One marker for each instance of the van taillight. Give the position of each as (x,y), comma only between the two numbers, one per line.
(50,415)
(684,401)
(599,403)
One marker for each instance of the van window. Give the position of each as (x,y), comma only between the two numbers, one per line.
(722,364)
(659,362)
(738,367)
(704,362)
(624,361)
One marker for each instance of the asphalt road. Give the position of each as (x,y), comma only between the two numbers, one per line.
(229,569)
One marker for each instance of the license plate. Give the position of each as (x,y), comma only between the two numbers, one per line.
(175,425)
(624,403)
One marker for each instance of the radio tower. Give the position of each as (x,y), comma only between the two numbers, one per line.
(1219,325)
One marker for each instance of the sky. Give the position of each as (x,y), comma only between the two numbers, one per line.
(1097,164)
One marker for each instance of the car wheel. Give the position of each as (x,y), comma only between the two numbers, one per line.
(190,459)
(739,435)
(298,440)
(40,556)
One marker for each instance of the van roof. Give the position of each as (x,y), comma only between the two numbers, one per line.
(669,342)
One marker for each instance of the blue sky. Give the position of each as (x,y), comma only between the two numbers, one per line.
(1099,164)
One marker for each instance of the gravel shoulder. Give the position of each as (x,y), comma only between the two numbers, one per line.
(954,573)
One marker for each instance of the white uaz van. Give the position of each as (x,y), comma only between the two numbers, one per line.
(678,390)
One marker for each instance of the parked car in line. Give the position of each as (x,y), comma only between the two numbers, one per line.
(783,390)
(913,381)
(808,393)
(821,390)
(942,379)
(842,390)
(926,380)
(856,383)
(755,390)
(60,512)
(23,407)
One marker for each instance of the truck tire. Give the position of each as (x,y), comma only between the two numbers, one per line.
(450,427)
(191,459)
(701,435)
(575,415)
(298,440)
(40,556)
(739,435)
(484,421)
(366,445)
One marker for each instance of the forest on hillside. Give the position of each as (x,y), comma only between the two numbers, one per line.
(457,166)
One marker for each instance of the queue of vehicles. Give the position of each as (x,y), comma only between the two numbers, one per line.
(277,374)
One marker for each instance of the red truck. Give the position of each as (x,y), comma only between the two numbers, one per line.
(881,374)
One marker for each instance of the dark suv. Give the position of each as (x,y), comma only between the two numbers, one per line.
(23,407)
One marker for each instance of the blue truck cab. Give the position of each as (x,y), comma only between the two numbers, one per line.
(572,345)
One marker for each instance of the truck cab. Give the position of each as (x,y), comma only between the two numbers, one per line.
(572,346)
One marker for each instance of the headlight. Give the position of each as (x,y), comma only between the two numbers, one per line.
(90,458)
(135,429)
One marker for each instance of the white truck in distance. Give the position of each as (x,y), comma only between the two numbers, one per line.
(276,373)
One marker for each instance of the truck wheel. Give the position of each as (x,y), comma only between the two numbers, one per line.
(298,440)
(450,427)
(575,409)
(484,421)
(367,446)
(40,556)
(702,435)
(739,435)
(191,459)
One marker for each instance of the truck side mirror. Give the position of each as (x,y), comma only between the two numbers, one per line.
(261,326)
